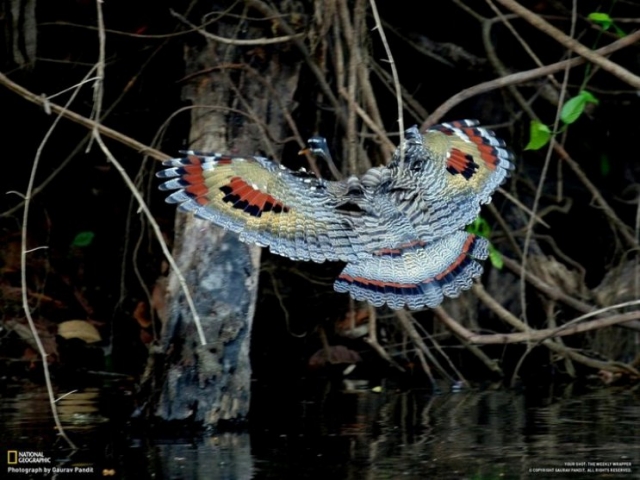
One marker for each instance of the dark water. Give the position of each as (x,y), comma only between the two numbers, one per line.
(327,433)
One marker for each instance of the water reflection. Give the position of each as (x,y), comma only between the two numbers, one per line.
(224,457)
(327,433)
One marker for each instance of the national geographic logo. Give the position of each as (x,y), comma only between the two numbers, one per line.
(20,457)
(37,464)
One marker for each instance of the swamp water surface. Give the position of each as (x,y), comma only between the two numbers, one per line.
(331,434)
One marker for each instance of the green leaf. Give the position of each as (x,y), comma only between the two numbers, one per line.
(602,19)
(480,227)
(539,135)
(621,33)
(495,257)
(83,239)
(574,107)
(588,97)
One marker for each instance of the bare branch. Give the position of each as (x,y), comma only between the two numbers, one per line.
(23,265)
(234,41)
(572,44)
(521,77)
(396,78)
(84,121)
(157,232)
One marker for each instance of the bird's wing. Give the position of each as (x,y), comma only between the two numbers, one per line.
(294,213)
(448,172)
(418,275)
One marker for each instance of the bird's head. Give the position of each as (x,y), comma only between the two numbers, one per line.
(411,154)
(317,147)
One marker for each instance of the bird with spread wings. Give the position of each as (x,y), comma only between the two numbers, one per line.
(400,228)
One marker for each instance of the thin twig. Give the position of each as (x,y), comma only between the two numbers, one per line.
(160,36)
(469,10)
(268,11)
(396,78)
(572,44)
(134,191)
(377,129)
(372,339)
(352,83)
(531,334)
(80,145)
(439,349)
(82,120)
(623,228)
(543,176)
(521,77)
(556,294)
(234,41)
(528,334)
(406,321)
(158,234)
(369,98)
(523,207)
(412,106)
(490,363)
(505,20)
(98,86)
(23,266)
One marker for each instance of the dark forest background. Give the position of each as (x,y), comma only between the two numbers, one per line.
(103,266)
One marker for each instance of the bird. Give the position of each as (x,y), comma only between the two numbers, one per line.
(400,228)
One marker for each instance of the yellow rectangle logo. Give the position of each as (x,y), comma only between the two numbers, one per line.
(12,457)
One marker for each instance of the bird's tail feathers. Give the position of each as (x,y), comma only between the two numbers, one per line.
(417,275)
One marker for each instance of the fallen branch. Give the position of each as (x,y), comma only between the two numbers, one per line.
(477,339)
(535,335)
(556,294)
(490,363)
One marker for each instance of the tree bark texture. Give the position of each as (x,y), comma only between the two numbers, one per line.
(240,97)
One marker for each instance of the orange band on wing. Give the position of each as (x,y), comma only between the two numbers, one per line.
(461,163)
(461,258)
(377,283)
(192,174)
(488,154)
(251,200)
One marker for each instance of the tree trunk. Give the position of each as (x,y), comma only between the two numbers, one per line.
(241,96)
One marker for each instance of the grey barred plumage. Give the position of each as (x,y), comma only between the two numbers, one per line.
(400,228)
